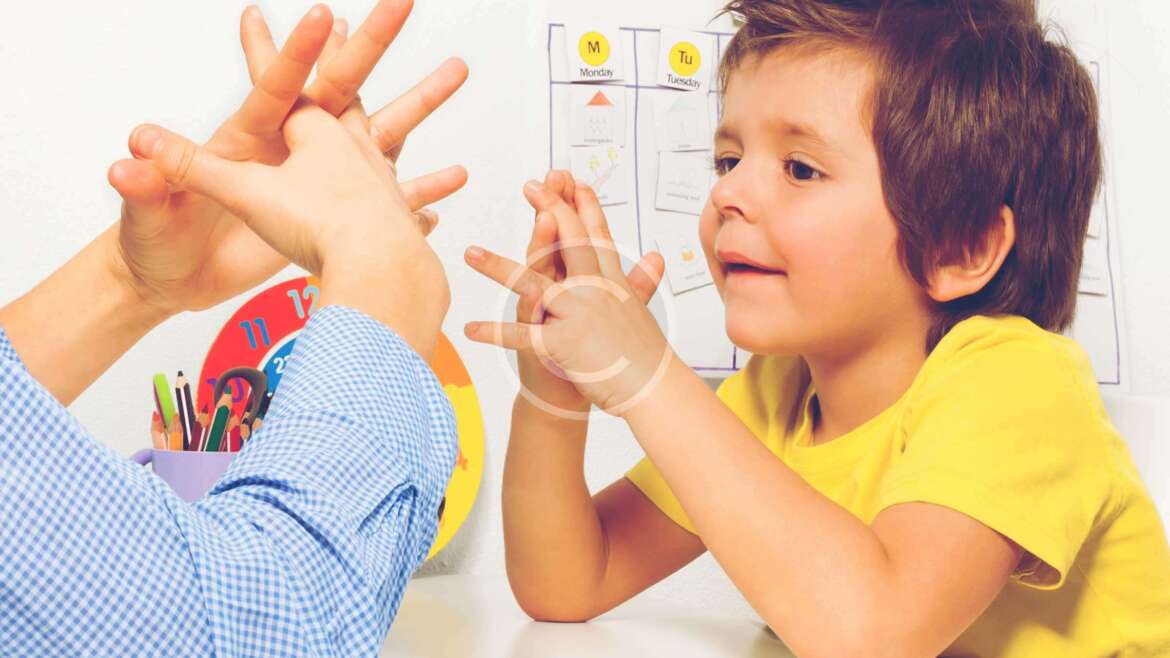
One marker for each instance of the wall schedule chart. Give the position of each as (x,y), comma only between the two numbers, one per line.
(642,138)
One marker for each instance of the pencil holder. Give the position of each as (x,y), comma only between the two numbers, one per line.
(191,474)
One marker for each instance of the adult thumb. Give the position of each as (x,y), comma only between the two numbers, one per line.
(145,193)
(189,167)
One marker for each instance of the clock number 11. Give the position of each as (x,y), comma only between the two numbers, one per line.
(263,329)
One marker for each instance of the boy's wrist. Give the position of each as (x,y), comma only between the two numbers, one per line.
(528,411)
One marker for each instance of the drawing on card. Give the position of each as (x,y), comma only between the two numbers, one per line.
(684,180)
(600,167)
(683,122)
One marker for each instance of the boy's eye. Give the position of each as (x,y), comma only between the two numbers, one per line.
(800,171)
(725,164)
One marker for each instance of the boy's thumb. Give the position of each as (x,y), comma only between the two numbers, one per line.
(189,167)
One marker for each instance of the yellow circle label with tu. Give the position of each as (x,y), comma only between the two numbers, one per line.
(685,59)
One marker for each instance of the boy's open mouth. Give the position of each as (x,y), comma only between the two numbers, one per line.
(736,263)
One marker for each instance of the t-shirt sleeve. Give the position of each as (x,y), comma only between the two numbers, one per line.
(765,388)
(1014,436)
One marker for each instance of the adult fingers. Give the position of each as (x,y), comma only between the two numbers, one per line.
(392,123)
(345,73)
(427,220)
(239,186)
(433,187)
(144,192)
(279,87)
(333,45)
(259,49)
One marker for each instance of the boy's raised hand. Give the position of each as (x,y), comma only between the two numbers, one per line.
(185,251)
(591,323)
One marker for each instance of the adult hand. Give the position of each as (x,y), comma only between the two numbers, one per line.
(184,251)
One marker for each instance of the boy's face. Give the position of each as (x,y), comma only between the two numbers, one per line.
(797,234)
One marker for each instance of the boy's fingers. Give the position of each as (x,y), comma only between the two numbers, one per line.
(579,256)
(540,257)
(596,226)
(278,89)
(510,335)
(646,275)
(510,274)
(562,183)
(392,123)
(233,185)
(345,73)
(542,248)
(333,45)
(433,187)
(259,49)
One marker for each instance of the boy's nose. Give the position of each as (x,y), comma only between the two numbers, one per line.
(732,198)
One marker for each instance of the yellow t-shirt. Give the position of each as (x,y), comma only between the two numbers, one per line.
(1003,423)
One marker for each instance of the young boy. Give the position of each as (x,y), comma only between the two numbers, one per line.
(913,463)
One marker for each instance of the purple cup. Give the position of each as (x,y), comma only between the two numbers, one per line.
(191,474)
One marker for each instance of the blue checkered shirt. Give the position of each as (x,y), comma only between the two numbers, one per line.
(302,549)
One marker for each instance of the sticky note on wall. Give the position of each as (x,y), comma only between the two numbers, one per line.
(594,53)
(685,60)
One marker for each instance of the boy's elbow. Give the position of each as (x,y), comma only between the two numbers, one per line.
(545,604)
(863,635)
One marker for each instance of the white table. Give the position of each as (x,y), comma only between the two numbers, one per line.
(456,616)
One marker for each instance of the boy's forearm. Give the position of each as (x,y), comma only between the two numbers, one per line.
(798,557)
(555,547)
(75,324)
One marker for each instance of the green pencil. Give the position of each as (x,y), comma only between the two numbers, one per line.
(219,423)
(166,402)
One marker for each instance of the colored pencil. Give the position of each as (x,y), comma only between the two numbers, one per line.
(157,435)
(186,410)
(246,428)
(233,434)
(219,423)
(175,434)
(163,399)
(202,420)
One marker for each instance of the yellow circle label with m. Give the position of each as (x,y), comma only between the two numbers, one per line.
(594,48)
(685,59)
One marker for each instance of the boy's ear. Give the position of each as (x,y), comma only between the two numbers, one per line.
(950,282)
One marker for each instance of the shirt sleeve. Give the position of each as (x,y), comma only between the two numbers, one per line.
(1013,435)
(302,549)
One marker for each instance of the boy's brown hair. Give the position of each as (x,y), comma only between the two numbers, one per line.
(971,109)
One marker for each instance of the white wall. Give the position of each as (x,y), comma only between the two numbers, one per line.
(78,76)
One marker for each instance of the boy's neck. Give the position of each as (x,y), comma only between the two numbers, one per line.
(854,388)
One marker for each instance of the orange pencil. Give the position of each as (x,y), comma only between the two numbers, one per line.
(157,435)
(233,434)
(176,434)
